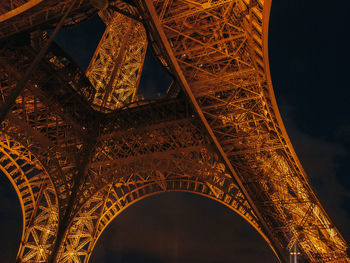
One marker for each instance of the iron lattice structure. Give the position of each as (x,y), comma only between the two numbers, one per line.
(79,149)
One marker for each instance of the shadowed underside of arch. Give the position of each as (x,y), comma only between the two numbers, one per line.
(106,205)
(37,198)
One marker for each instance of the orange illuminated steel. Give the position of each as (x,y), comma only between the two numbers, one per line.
(115,68)
(75,168)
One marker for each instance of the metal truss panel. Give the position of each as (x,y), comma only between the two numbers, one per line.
(198,175)
(115,69)
(37,197)
(152,139)
(20,15)
(75,169)
(49,124)
(218,51)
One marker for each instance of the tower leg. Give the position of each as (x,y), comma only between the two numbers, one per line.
(115,69)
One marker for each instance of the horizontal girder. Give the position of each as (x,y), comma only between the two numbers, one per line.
(19,16)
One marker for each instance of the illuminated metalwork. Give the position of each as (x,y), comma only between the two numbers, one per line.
(37,197)
(218,50)
(226,140)
(20,15)
(115,68)
(102,208)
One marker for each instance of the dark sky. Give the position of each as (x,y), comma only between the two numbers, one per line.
(308,46)
(308,50)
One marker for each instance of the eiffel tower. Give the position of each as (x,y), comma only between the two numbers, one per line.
(80,147)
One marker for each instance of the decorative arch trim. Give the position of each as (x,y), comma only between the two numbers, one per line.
(106,205)
(36,195)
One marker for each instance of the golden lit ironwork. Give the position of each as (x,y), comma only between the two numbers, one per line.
(37,197)
(115,68)
(19,15)
(218,50)
(75,168)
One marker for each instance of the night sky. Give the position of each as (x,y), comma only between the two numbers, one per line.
(308,51)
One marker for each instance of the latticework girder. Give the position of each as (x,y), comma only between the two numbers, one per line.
(227,142)
(115,68)
(191,172)
(52,125)
(20,15)
(156,141)
(218,51)
(37,197)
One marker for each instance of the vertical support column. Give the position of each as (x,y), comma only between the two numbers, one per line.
(78,181)
(116,66)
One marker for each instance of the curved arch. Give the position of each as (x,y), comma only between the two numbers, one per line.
(36,195)
(107,204)
(38,123)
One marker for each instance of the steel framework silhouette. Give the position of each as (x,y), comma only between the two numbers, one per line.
(80,147)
